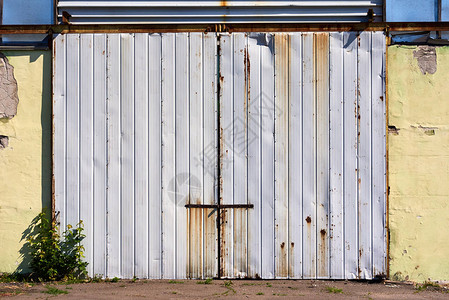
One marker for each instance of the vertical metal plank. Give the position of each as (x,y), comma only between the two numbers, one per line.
(281,155)
(378,154)
(72,134)
(168,157)
(350,154)
(182,150)
(267,110)
(99,154)
(114,153)
(59,126)
(240,138)
(294,160)
(141,157)
(127,152)
(309,158)
(86,143)
(322,152)
(209,155)
(364,155)
(155,158)
(196,163)
(254,163)
(226,153)
(336,156)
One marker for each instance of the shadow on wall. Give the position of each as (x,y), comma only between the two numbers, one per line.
(46,143)
(31,231)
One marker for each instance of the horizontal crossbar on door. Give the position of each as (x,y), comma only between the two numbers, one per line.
(219,206)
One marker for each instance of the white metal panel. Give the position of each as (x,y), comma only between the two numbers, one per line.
(71,214)
(350,172)
(295,219)
(59,125)
(182,131)
(169,188)
(267,155)
(141,129)
(336,161)
(364,155)
(185,11)
(114,212)
(281,154)
(99,154)
(379,160)
(241,104)
(136,139)
(309,158)
(322,155)
(127,155)
(154,155)
(254,162)
(196,164)
(86,143)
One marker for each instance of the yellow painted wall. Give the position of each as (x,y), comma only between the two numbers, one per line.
(418,166)
(25,166)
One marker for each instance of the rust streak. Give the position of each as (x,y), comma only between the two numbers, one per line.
(224,248)
(247,84)
(323,253)
(210,243)
(195,243)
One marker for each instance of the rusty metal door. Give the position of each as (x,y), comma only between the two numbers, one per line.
(251,155)
(302,155)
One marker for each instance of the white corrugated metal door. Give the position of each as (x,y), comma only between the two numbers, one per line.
(262,155)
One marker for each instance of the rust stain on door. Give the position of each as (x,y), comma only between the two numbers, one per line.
(210,243)
(240,243)
(282,78)
(196,242)
(321,54)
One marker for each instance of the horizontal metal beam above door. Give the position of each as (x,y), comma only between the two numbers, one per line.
(271,27)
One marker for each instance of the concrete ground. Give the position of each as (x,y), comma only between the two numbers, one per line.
(222,289)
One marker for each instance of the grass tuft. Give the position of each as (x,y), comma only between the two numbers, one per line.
(115,279)
(334,290)
(54,291)
(427,285)
(175,282)
(207,281)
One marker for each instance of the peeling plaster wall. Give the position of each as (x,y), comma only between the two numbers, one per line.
(25,164)
(418,166)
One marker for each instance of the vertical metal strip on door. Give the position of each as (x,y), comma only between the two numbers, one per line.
(309,108)
(135,140)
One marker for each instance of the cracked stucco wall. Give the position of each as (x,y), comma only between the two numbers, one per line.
(25,164)
(418,164)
